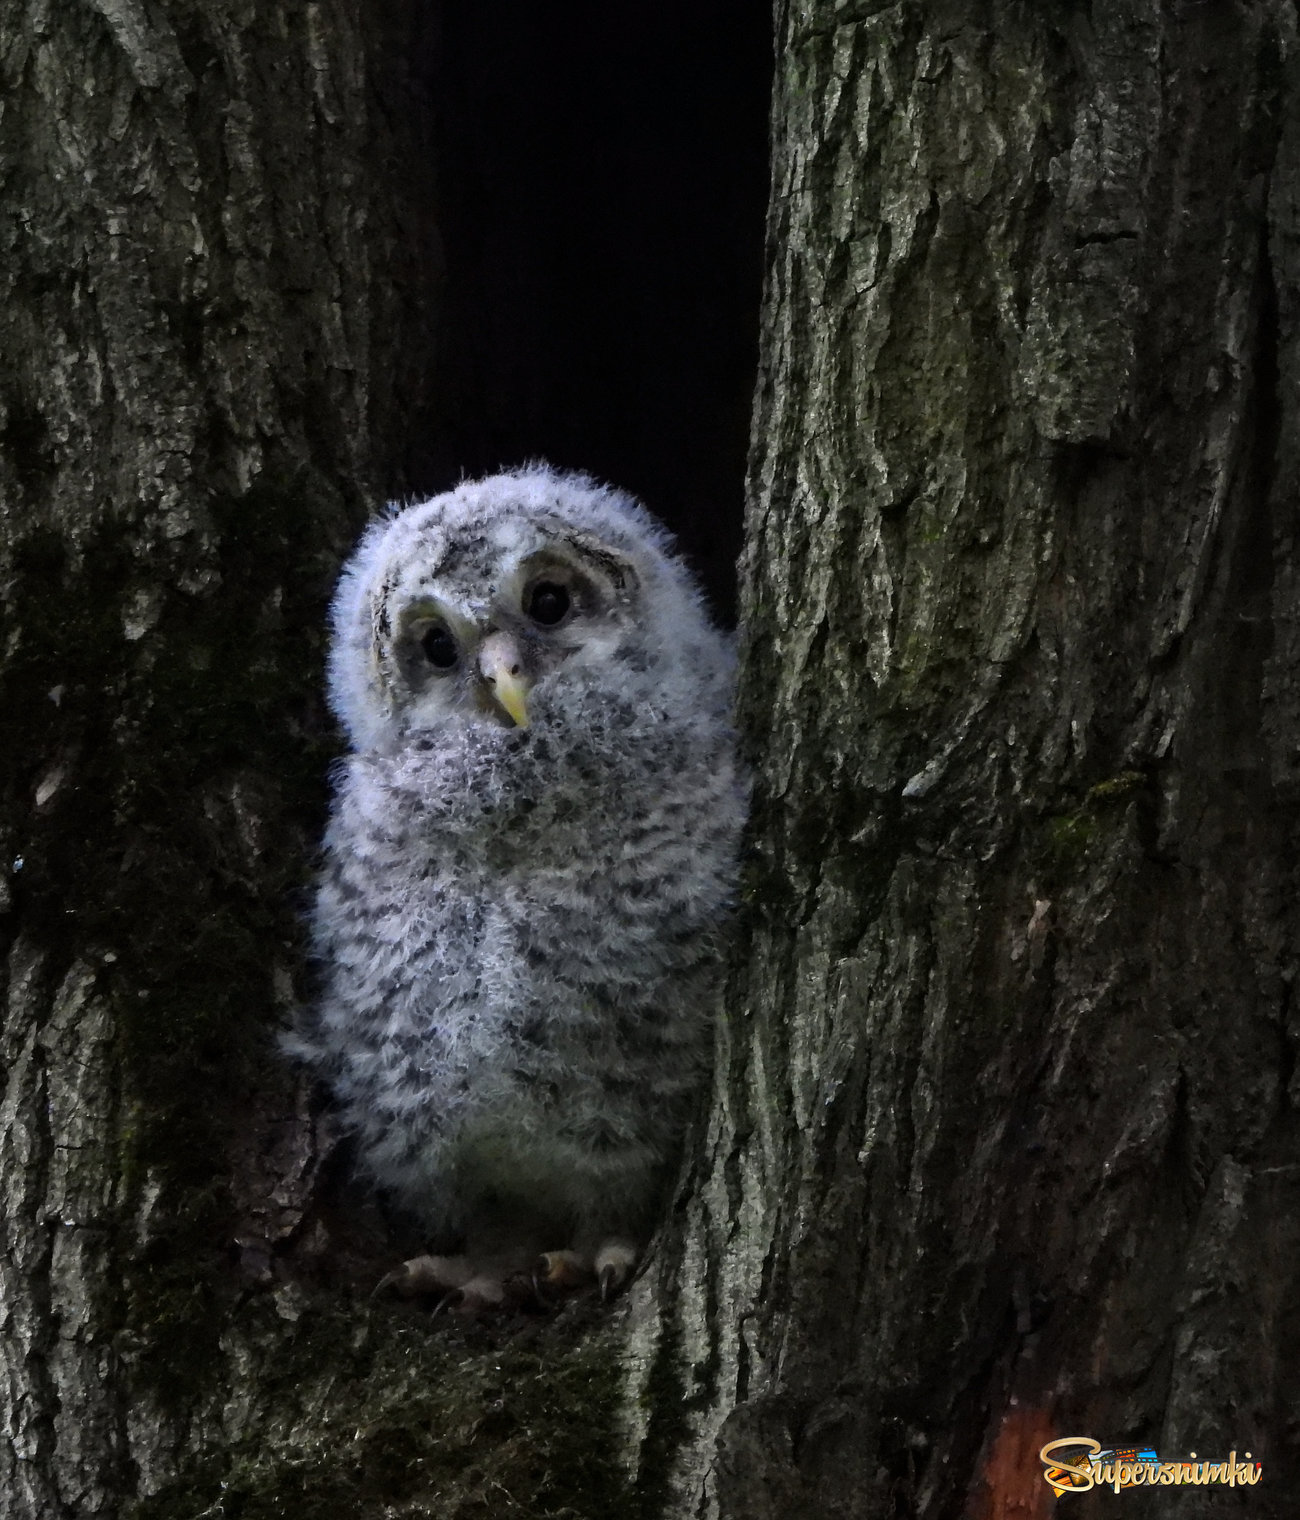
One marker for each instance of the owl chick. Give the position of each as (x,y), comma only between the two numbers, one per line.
(529,866)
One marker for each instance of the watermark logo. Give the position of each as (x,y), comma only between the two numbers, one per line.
(1076,1463)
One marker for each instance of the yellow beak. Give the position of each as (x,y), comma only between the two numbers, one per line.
(501,666)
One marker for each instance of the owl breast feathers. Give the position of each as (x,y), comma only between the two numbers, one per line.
(531,856)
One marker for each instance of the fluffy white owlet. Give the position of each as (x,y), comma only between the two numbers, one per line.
(531,857)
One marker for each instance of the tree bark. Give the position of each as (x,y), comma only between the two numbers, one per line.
(204,275)
(1003,1140)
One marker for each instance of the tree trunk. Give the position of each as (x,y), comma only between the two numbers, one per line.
(1003,1142)
(205,272)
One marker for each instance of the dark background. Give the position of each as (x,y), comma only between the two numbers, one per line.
(601,190)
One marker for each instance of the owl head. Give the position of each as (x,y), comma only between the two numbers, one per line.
(478,608)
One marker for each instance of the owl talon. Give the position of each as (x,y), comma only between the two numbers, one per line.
(426,1274)
(388,1280)
(613,1265)
(564,1270)
(481,1295)
(463,1285)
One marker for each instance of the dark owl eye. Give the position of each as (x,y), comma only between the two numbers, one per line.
(547,603)
(439,648)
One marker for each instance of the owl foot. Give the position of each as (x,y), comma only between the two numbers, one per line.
(610,1265)
(474,1285)
(427,1274)
(466,1285)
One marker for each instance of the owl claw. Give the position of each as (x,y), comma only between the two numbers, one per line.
(467,1286)
(564,1270)
(480,1295)
(427,1274)
(446,1303)
(613,1265)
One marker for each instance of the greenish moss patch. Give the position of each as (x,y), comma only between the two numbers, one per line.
(372,1413)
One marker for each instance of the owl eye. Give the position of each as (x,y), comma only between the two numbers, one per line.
(439,648)
(547,603)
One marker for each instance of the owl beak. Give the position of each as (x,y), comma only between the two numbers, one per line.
(501,665)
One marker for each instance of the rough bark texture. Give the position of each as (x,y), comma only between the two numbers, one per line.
(215,275)
(1003,1142)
